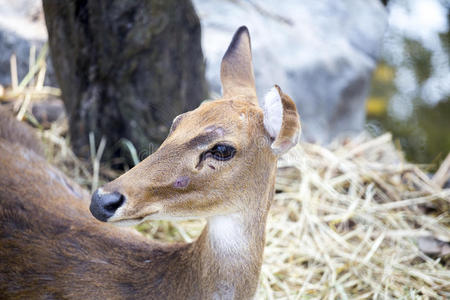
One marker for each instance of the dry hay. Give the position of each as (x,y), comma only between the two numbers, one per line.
(347,223)
(352,221)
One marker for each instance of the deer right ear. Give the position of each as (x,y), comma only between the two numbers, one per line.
(281,120)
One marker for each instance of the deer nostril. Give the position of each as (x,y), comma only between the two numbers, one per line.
(117,200)
(104,205)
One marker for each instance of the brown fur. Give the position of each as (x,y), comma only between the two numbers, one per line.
(18,132)
(50,246)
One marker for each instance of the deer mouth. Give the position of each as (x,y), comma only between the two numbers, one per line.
(132,221)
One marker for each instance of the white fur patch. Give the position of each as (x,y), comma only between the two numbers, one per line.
(101,192)
(273,112)
(126,223)
(224,291)
(202,147)
(226,234)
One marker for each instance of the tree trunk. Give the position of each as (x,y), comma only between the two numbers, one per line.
(126,68)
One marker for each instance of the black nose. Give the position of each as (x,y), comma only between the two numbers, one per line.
(104,205)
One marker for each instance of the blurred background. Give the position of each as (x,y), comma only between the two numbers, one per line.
(126,69)
(410,94)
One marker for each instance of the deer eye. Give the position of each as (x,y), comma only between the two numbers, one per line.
(222,152)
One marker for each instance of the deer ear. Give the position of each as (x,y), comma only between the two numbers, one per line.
(236,71)
(281,120)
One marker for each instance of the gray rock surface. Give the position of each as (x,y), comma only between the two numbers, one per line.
(22,25)
(321,53)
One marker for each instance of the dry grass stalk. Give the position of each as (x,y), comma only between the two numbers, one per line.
(348,226)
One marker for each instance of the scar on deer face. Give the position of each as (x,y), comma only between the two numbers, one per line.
(181,182)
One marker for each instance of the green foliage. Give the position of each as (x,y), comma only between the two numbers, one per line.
(435,122)
(419,59)
(425,134)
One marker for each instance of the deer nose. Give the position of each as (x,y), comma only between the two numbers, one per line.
(104,205)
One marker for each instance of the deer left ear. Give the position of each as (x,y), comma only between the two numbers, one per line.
(281,120)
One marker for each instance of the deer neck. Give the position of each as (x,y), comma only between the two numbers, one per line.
(230,248)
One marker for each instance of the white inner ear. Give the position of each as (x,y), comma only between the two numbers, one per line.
(273,112)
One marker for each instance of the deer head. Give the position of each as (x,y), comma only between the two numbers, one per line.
(214,158)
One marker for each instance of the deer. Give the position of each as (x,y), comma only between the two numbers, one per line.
(218,162)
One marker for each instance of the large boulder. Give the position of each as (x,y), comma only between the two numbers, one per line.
(321,53)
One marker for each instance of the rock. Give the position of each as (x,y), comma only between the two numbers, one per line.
(21,26)
(321,53)
(432,246)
